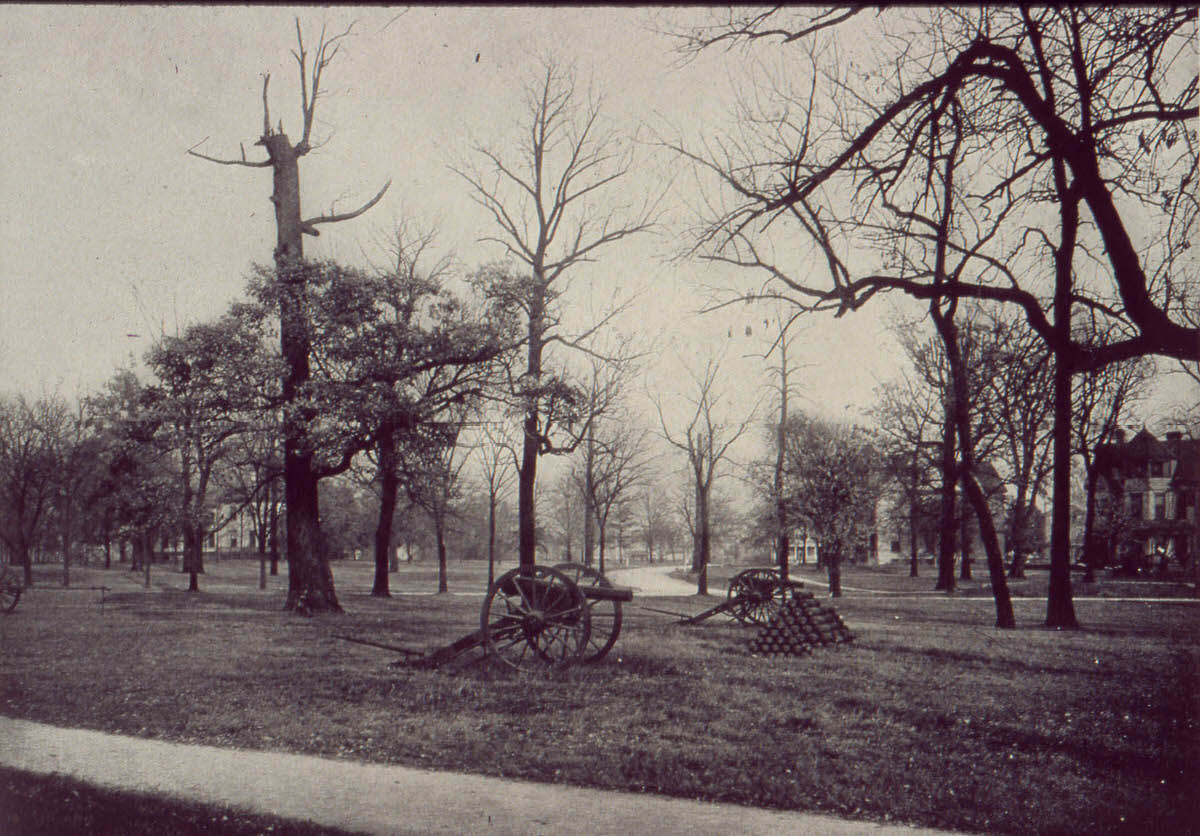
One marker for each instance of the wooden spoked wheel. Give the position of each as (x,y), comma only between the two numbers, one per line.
(761,594)
(605,612)
(10,590)
(535,616)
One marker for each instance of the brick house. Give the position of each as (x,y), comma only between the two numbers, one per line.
(1148,500)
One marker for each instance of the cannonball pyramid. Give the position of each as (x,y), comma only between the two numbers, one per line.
(801,624)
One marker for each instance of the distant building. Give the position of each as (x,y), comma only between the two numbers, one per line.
(894,519)
(1148,500)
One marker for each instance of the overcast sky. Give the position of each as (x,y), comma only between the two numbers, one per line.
(112,235)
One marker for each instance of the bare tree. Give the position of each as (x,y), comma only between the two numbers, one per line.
(544,206)
(432,464)
(27,483)
(1082,109)
(614,460)
(907,414)
(74,459)
(706,440)
(497,456)
(1019,374)
(310,581)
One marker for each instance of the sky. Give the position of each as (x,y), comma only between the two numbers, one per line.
(113,235)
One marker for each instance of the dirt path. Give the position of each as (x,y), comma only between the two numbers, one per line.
(652,581)
(385,799)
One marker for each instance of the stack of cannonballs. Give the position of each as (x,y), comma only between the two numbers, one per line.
(801,624)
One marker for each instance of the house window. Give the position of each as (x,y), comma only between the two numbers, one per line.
(1156,469)
(1135,506)
(1160,506)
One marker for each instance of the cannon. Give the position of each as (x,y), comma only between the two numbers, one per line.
(755,596)
(534,616)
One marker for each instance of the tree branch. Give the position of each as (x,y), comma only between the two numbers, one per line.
(310,224)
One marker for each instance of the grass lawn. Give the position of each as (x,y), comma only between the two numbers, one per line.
(931,716)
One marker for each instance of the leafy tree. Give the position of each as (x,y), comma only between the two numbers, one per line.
(398,353)
(832,483)
(137,480)
(210,381)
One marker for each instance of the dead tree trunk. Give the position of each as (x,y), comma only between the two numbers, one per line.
(310,581)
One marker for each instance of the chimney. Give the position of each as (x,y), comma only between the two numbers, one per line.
(1174,437)
(1120,436)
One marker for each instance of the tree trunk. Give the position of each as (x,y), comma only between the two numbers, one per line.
(995,559)
(310,581)
(1020,518)
(389,487)
(1091,548)
(531,443)
(147,555)
(702,536)
(260,539)
(833,567)
(945,581)
(1060,608)
(439,528)
(987,530)
(913,559)
(491,540)
(193,554)
(781,533)
(600,538)
(589,500)
(964,544)
(273,532)
(25,557)
(66,542)
(262,558)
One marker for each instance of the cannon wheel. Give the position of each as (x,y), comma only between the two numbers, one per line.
(762,594)
(535,616)
(10,590)
(606,614)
